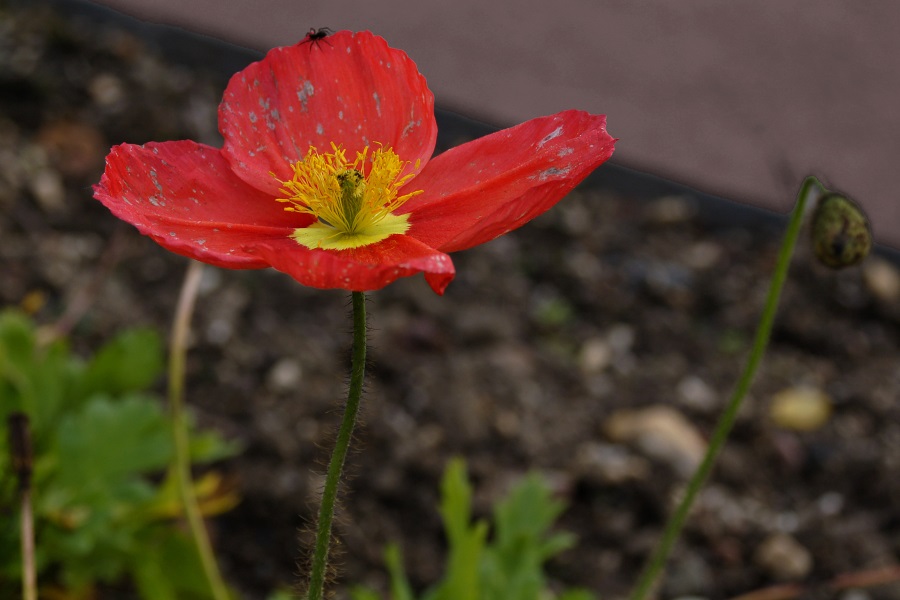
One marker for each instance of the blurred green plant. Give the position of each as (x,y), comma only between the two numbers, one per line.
(105,507)
(509,565)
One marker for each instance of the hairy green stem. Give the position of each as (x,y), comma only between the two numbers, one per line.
(182,465)
(657,560)
(319,566)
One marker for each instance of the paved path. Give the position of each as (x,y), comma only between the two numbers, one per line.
(740,98)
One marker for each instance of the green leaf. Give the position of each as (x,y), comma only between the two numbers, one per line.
(33,379)
(527,514)
(400,588)
(466,540)
(169,568)
(96,440)
(357,593)
(16,333)
(210,446)
(109,440)
(514,562)
(510,566)
(132,361)
(577,594)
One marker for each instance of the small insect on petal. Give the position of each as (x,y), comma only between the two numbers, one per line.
(841,235)
(315,36)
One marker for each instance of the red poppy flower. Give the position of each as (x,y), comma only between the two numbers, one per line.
(326,172)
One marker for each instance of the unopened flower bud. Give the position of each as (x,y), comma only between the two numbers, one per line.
(841,235)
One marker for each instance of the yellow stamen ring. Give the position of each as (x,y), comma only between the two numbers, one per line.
(353,202)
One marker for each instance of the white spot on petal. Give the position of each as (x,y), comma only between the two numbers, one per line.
(553,134)
(306,90)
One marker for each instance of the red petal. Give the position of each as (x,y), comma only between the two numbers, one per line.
(492,185)
(185,196)
(350,89)
(360,269)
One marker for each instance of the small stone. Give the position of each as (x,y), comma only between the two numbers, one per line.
(703,255)
(285,376)
(576,217)
(210,281)
(620,338)
(596,354)
(48,190)
(106,89)
(830,504)
(696,394)
(660,433)
(508,423)
(800,408)
(783,557)
(609,464)
(670,210)
(219,331)
(882,279)
(688,574)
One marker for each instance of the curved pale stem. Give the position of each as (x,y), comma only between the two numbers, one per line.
(182,466)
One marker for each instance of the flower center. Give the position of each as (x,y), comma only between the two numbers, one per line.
(353,202)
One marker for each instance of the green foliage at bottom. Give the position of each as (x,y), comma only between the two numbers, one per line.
(104,507)
(507,565)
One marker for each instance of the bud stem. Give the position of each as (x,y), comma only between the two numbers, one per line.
(676,521)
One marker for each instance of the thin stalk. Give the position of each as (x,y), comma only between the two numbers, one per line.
(182,465)
(676,521)
(339,454)
(22,464)
(29,573)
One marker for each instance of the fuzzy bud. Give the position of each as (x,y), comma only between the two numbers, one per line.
(841,235)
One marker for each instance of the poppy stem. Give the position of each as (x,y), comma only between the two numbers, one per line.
(676,521)
(339,454)
(182,460)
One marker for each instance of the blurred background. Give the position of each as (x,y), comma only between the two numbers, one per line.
(739,99)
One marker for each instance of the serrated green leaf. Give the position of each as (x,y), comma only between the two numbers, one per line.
(110,439)
(456,500)
(511,565)
(132,361)
(528,511)
(466,539)
(522,542)
(95,440)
